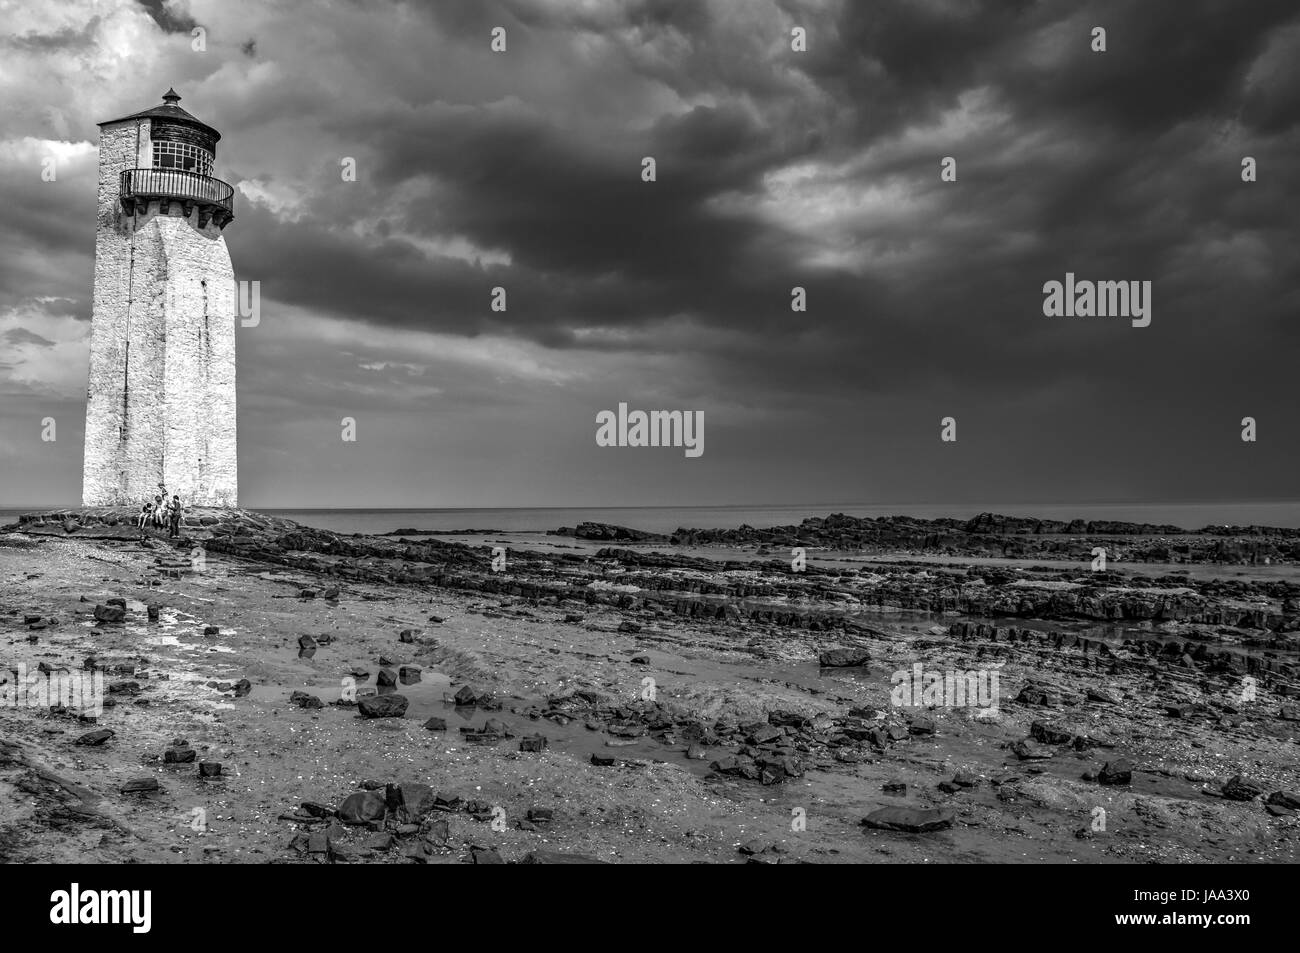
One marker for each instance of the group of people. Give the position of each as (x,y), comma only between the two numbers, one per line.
(160,512)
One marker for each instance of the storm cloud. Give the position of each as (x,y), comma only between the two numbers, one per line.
(775,169)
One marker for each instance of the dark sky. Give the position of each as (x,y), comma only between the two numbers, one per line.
(775,169)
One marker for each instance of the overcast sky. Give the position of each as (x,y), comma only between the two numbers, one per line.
(776,169)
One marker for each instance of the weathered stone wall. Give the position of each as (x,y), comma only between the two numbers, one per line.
(161,397)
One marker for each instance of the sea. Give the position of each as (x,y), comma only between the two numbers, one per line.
(665,519)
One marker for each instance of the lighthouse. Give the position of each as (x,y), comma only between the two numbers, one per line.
(160,405)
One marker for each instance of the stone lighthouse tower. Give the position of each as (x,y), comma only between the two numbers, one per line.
(160,407)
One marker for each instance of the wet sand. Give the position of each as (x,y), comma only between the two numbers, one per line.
(63,801)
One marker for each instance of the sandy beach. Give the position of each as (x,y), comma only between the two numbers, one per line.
(634,703)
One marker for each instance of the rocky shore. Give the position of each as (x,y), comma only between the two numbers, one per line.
(920,690)
(991,535)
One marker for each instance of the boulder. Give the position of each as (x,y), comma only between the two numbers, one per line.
(362,808)
(179,755)
(1116,772)
(1239,788)
(110,614)
(843,658)
(911,820)
(383,706)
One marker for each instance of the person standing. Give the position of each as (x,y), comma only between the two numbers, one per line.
(174,517)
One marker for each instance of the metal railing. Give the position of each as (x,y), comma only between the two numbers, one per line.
(177,184)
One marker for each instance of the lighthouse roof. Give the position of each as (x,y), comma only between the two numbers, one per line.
(168,110)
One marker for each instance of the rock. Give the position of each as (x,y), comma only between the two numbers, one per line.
(304,700)
(362,807)
(894,787)
(140,786)
(602,762)
(764,734)
(484,855)
(1287,799)
(697,752)
(96,738)
(1050,734)
(910,820)
(558,857)
(533,744)
(408,635)
(179,755)
(332,593)
(631,627)
(1239,788)
(1289,713)
(1045,694)
(918,725)
(243,687)
(386,678)
(380,842)
(416,799)
(116,601)
(1028,750)
(639,660)
(152,610)
(306,593)
(436,724)
(843,658)
(210,630)
(209,769)
(108,614)
(306,642)
(1116,772)
(383,706)
(409,674)
(466,696)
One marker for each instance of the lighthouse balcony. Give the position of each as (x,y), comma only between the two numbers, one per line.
(213,199)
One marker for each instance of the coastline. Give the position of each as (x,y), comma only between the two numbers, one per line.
(1132,667)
